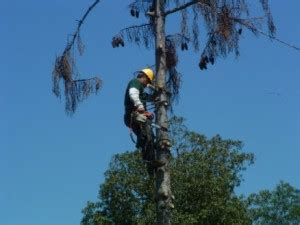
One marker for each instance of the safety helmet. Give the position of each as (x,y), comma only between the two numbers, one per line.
(149,73)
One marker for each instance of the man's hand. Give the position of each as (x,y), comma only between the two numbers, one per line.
(140,109)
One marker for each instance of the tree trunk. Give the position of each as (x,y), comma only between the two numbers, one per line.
(163,182)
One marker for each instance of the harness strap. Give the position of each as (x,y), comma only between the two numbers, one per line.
(130,130)
(131,136)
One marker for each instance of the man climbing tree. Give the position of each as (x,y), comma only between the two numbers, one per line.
(137,118)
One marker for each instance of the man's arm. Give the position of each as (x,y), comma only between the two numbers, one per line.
(134,95)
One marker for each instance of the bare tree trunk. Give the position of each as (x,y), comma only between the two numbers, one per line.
(163,182)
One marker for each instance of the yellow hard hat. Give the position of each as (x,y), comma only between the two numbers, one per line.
(149,73)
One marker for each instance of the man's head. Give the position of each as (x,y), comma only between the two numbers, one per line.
(146,76)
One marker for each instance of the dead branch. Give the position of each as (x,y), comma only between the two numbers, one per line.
(240,21)
(186,5)
(179,8)
(75,91)
(134,27)
(252,28)
(80,22)
(137,34)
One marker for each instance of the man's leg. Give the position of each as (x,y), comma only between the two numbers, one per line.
(145,141)
(129,120)
(137,131)
(148,147)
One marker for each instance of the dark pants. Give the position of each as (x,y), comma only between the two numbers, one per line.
(136,128)
(144,135)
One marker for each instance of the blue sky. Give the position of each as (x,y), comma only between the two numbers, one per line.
(51,164)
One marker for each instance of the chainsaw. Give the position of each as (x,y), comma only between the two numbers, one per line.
(150,117)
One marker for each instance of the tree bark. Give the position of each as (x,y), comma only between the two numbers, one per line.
(163,181)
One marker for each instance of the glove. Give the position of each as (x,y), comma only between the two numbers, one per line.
(140,109)
(149,115)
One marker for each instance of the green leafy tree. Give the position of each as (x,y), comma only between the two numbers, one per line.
(278,207)
(205,173)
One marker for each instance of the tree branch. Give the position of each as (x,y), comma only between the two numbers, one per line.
(254,29)
(188,4)
(89,79)
(180,7)
(134,27)
(80,22)
(278,40)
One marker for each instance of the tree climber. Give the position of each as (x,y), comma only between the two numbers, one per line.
(136,116)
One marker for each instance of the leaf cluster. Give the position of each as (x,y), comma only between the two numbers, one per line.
(278,207)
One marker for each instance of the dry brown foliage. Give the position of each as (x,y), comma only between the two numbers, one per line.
(224,21)
(75,90)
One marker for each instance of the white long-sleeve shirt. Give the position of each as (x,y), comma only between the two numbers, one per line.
(134,95)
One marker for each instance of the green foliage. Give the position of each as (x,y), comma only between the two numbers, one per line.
(204,175)
(93,216)
(204,178)
(127,193)
(278,207)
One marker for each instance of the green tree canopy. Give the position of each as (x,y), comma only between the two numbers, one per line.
(278,207)
(204,175)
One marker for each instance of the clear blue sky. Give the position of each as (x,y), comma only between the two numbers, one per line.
(50,164)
